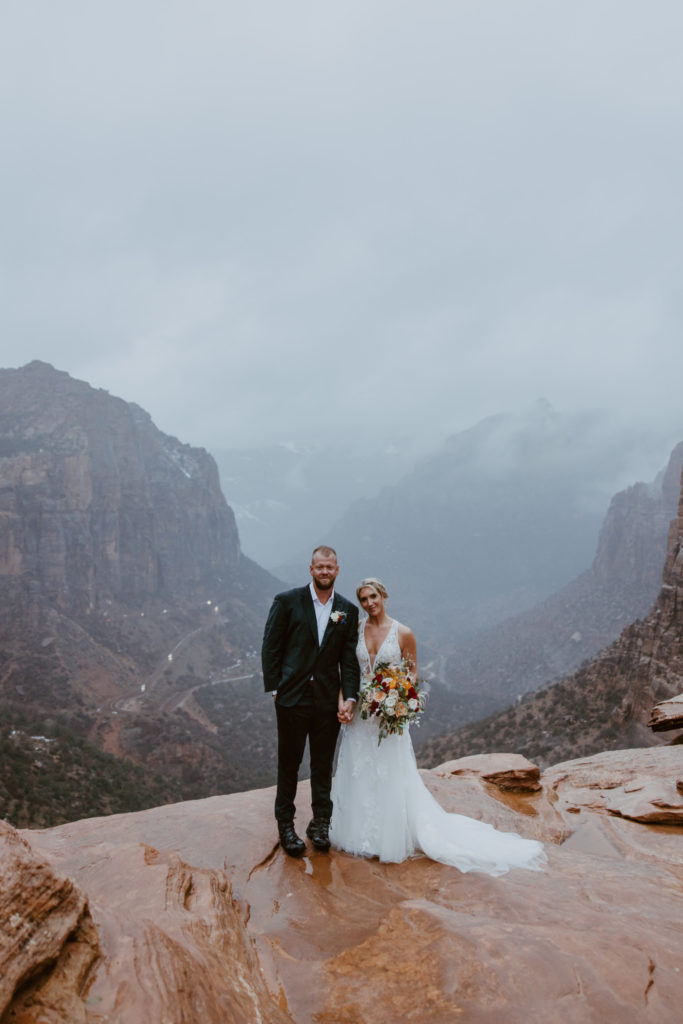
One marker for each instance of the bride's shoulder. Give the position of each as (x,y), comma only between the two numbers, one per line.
(407,644)
(403,631)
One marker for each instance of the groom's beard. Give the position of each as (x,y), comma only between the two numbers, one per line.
(323,586)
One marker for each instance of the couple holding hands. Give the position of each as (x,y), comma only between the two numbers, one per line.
(315,655)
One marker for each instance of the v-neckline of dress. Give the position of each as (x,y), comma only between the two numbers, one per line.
(372,662)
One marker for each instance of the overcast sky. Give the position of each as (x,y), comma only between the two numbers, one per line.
(266,221)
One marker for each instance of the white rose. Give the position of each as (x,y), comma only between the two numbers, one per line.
(392,698)
(413,704)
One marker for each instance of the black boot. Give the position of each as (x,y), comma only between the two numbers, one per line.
(318,832)
(289,840)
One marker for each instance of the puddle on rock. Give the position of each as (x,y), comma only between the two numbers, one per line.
(520,802)
(319,867)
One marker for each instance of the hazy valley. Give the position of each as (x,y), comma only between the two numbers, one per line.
(131,619)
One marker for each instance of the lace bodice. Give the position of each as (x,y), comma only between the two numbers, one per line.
(389,649)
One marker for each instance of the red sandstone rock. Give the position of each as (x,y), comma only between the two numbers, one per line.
(201,918)
(44,926)
(507,771)
(629,784)
(668,714)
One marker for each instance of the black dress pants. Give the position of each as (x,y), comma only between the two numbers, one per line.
(294,726)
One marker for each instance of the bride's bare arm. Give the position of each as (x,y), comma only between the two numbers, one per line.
(408,645)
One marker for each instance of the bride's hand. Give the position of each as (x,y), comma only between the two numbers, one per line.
(344,710)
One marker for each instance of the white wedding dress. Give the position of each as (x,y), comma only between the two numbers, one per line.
(383,808)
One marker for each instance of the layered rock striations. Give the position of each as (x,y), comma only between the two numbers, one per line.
(126,605)
(199,916)
(47,939)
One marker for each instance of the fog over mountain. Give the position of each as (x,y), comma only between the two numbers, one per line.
(500,517)
(286,496)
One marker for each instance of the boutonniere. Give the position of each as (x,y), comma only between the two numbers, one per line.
(338,617)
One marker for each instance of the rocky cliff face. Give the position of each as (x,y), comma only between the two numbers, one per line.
(555,637)
(647,659)
(633,539)
(190,913)
(125,602)
(96,504)
(649,655)
(608,703)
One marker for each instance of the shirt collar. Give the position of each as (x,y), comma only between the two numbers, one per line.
(316,599)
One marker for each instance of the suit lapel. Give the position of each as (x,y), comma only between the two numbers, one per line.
(309,612)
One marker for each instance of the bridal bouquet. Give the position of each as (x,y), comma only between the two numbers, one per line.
(389,694)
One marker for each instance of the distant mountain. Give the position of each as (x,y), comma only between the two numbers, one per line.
(553,638)
(605,704)
(503,516)
(286,496)
(129,617)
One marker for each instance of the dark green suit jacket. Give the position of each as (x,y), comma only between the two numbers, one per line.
(292,660)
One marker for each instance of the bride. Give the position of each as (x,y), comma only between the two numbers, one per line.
(381,805)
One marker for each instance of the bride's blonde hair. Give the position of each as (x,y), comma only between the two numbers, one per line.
(372,581)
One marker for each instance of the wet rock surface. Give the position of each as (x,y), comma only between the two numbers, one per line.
(201,917)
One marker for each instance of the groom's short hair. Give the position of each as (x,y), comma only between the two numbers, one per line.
(325,551)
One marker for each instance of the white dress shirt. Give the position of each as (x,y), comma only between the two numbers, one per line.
(322,615)
(322,611)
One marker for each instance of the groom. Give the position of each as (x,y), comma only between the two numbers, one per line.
(308,655)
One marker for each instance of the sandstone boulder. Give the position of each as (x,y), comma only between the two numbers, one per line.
(507,771)
(667,714)
(642,788)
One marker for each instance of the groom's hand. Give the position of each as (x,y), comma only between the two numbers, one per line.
(345,713)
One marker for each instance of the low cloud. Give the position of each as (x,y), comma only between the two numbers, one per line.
(374,223)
